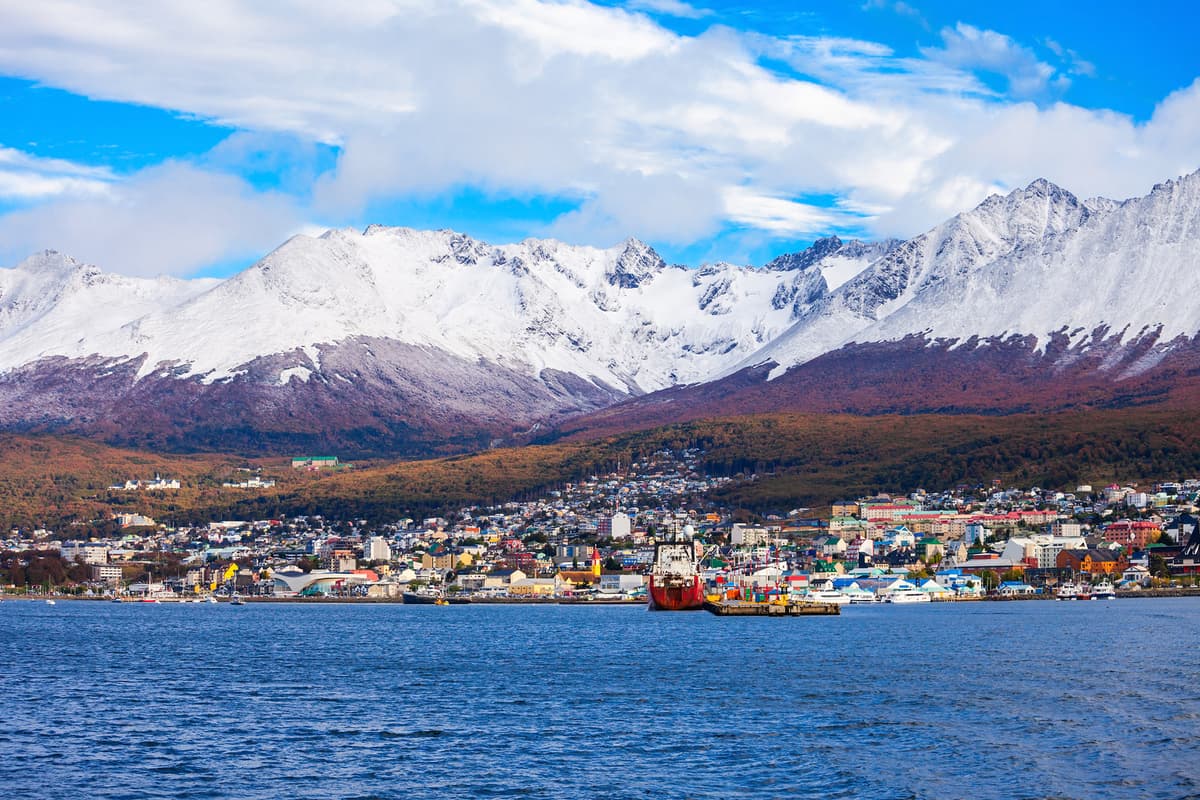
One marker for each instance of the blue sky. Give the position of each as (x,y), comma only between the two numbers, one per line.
(192,140)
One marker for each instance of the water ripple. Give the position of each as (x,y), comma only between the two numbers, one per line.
(1029,700)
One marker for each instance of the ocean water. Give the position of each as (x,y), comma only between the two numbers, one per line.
(986,700)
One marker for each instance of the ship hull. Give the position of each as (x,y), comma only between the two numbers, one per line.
(679,594)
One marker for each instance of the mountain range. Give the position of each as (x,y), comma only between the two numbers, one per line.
(406,342)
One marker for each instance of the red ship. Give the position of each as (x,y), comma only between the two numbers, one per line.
(675,583)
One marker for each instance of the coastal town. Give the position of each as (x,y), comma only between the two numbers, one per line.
(594,540)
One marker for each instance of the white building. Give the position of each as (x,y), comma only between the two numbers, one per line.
(107,573)
(744,535)
(620,526)
(1041,548)
(89,552)
(377,549)
(621,582)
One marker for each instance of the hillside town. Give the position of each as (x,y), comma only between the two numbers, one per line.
(594,540)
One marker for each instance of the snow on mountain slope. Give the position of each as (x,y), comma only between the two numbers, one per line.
(1000,226)
(618,317)
(838,261)
(1126,271)
(52,303)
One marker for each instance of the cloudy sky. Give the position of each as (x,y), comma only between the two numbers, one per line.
(191,138)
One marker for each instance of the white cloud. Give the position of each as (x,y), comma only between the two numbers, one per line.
(778,214)
(654,134)
(899,7)
(169,219)
(670,8)
(25,177)
(968,47)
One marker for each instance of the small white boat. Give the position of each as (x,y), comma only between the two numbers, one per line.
(49,602)
(907,596)
(1104,591)
(211,600)
(1068,591)
(237,601)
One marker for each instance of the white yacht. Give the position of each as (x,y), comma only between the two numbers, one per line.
(1104,591)
(907,596)
(831,596)
(1068,591)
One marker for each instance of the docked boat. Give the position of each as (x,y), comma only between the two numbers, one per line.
(1068,591)
(1104,591)
(907,596)
(675,583)
(861,598)
(431,599)
(829,597)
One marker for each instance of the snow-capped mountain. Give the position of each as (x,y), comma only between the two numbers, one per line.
(951,253)
(620,318)
(1036,262)
(432,324)
(1034,300)
(53,302)
(399,340)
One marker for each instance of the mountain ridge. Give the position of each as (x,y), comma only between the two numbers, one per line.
(432,341)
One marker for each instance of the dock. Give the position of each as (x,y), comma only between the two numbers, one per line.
(746,608)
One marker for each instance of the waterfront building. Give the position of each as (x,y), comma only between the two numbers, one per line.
(1188,560)
(291,581)
(106,573)
(1136,573)
(1093,561)
(536,587)
(618,582)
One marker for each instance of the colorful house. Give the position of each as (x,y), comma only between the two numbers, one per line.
(1093,561)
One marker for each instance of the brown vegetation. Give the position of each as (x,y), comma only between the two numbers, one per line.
(799,459)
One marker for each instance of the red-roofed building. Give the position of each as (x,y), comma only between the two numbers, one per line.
(1133,535)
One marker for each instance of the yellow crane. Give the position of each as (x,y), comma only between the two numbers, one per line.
(230,572)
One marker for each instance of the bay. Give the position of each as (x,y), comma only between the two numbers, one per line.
(984,700)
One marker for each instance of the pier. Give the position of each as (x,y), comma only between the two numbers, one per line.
(745,608)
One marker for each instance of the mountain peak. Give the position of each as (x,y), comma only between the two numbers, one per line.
(49,261)
(1042,186)
(810,255)
(637,262)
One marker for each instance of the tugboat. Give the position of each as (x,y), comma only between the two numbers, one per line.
(675,583)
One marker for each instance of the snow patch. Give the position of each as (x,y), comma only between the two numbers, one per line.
(301,373)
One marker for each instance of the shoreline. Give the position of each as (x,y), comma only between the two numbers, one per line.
(548,601)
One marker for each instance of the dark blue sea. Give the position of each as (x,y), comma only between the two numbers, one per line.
(986,700)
